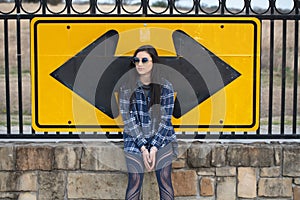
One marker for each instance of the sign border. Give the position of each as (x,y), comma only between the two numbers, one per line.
(247,20)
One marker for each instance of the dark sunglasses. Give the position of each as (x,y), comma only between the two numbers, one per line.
(136,60)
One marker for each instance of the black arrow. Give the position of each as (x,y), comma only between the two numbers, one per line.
(205,73)
(82,73)
(196,73)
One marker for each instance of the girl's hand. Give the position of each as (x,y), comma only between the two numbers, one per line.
(146,157)
(152,155)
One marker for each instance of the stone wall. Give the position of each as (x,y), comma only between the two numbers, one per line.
(96,170)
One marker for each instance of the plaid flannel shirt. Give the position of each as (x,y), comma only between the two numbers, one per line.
(138,126)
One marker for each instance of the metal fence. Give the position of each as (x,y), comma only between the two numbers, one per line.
(279,58)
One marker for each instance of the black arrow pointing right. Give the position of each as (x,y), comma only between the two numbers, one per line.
(204,72)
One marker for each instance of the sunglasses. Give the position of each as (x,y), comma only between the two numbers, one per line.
(136,60)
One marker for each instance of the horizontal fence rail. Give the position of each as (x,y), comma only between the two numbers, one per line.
(279,112)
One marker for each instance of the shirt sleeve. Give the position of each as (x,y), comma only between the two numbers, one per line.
(131,126)
(165,124)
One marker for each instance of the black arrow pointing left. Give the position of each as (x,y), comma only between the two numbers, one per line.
(82,73)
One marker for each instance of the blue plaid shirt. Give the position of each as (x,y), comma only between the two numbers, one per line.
(139,128)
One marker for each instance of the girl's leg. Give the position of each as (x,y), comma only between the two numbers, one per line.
(135,168)
(163,173)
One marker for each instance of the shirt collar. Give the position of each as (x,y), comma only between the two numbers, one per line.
(139,83)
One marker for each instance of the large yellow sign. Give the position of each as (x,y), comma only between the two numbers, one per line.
(78,63)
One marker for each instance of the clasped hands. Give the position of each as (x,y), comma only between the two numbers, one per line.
(149,157)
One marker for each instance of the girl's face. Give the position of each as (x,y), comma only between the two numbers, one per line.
(143,63)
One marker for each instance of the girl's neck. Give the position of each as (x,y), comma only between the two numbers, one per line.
(146,80)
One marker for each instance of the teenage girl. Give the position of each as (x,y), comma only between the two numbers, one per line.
(146,104)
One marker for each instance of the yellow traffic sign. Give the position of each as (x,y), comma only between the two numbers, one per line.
(79,63)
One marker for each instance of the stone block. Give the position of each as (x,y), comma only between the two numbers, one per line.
(179,163)
(34,157)
(296,193)
(226,188)
(250,156)
(291,161)
(8,195)
(270,199)
(27,196)
(219,156)
(8,181)
(207,186)
(297,181)
(270,172)
(52,185)
(16,181)
(206,171)
(185,183)
(194,198)
(7,158)
(182,149)
(246,182)
(67,157)
(278,155)
(27,181)
(199,155)
(275,187)
(150,187)
(106,157)
(226,171)
(96,186)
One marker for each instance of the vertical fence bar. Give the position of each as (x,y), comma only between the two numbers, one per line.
(197,4)
(296,59)
(32,130)
(270,114)
(172,4)
(247,5)
(93,6)
(69,4)
(222,2)
(271,77)
(19,66)
(295,92)
(7,80)
(19,63)
(44,5)
(283,78)
(118,2)
(44,2)
(144,5)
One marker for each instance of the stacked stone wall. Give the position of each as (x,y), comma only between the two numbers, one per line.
(96,170)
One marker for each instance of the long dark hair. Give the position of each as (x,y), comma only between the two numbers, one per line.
(155,90)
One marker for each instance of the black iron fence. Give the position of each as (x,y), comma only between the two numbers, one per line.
(279,57)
